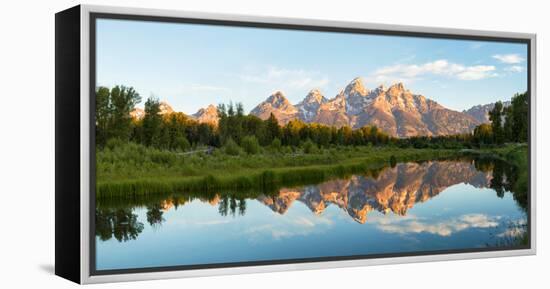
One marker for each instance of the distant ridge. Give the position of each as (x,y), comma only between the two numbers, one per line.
(481,111)
(395,110)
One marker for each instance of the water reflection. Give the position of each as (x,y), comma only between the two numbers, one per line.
(122,224)
(395,190)
(405,207)
(391,190)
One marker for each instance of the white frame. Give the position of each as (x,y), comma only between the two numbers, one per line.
(85,276)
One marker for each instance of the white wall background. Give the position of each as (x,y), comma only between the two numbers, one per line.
(27,142)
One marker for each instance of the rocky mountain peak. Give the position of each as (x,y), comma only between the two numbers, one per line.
(277,99)
(165,108)
(277,104)
(210,109)
(139,113)
(208,115)
(356,87)
(354,97)
(379,91)
(308,108)
(314,96)
(396,89)
(399,97)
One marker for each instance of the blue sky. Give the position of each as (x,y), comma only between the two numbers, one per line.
(191,66)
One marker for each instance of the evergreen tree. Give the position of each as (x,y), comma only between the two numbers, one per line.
(495,115)
(176,131)
(152,122)
(102,115)
(205,134)
(222,123)
(520,117)
(507,126)
(273,130)
(164,138)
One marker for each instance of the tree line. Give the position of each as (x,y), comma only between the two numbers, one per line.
(171,131)
(235,130)
(177,131)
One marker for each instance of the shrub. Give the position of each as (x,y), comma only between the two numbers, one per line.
(310,147)
(114,143)
(181,143)
(287,150)
(231,148)
(250,145)
(276,145)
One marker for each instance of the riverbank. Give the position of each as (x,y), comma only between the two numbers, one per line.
(133,170)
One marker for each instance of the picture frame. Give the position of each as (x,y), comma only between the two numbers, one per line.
(76,155)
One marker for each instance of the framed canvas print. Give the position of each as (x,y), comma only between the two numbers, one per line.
(191,144)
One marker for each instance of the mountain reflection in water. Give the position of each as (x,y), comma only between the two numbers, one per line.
(395,190)
(392,190)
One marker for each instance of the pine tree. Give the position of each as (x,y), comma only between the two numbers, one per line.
(273,130)
(152,122)
(102,115)
(519,116)
(495,115)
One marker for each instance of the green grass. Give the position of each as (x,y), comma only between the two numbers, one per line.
(132,170)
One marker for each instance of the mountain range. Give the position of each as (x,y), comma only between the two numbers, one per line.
(395,110)
(481,112)
(164,107)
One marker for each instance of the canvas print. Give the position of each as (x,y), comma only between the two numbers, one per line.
(225,145)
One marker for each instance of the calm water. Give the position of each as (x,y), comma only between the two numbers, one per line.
(410,207)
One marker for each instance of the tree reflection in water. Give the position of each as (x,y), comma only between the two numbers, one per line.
(232,205)
(122,224)
(505,178)
(154,215)
(357,195)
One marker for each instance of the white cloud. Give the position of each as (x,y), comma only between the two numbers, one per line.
(514,68)
(443,228)
(289,227)
(509,58)
(290,78)
(476,72)
(442,67)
